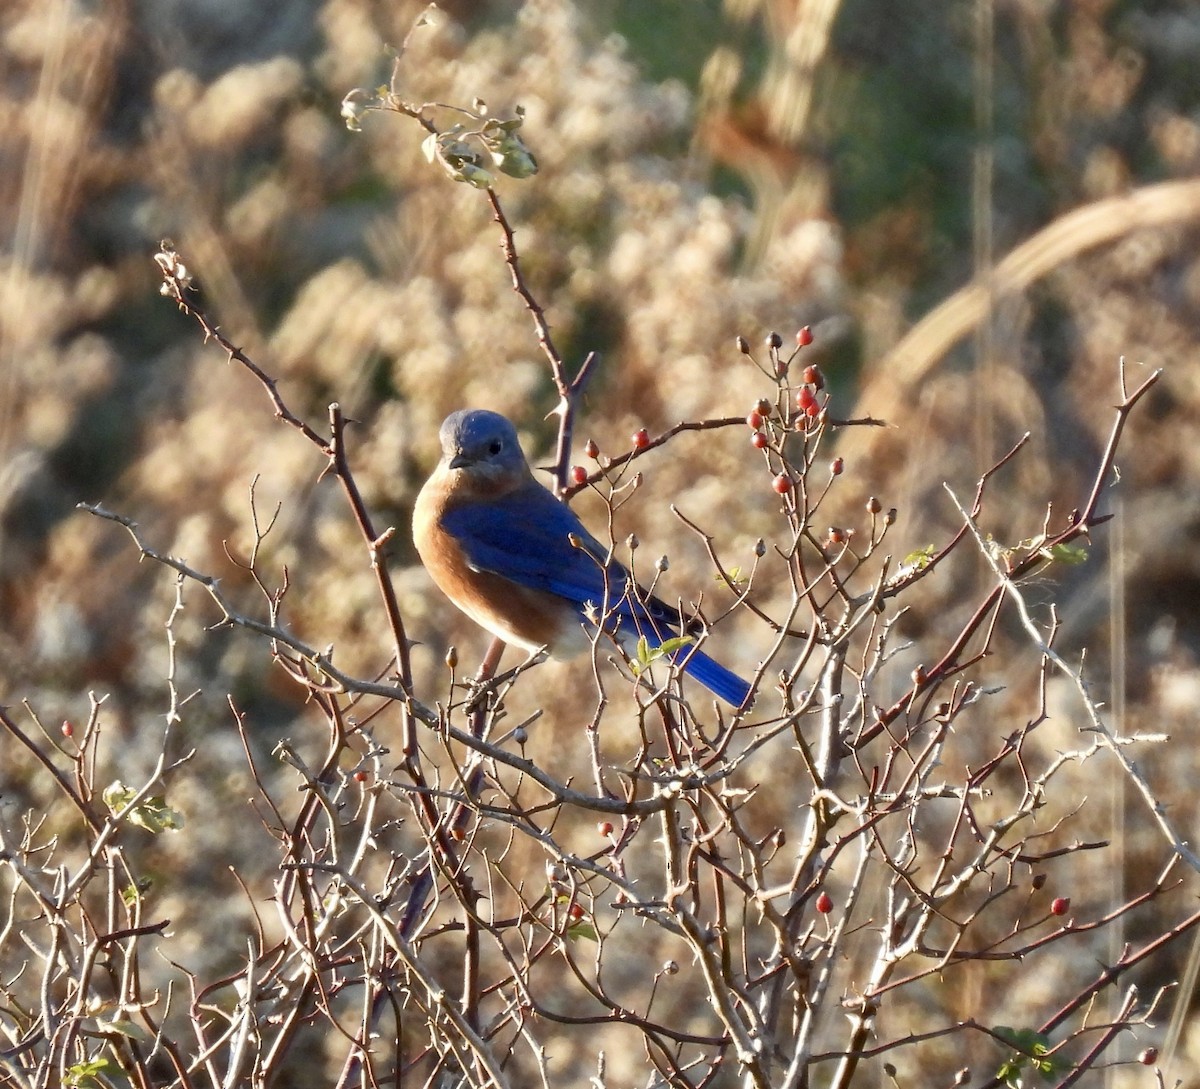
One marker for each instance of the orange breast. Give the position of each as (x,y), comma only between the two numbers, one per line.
(525,617)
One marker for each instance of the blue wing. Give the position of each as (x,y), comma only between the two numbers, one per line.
(714,676)
(525,537)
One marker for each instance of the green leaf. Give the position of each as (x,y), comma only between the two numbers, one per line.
(668,648)
(1070,554)
(919,559)
(1010,1073)
(152,813)
(457,158)
(582,930)
(511,156)
(354,108)
(131,894)
(1031,1045)
(473,174)
(671,646)
(88,1074)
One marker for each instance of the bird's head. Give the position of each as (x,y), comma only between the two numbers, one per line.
(483,446)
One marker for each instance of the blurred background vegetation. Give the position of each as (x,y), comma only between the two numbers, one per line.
(709,168)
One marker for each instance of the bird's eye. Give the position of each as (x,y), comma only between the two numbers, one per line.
(495,446)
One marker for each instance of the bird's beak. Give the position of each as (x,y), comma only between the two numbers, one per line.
(459,461)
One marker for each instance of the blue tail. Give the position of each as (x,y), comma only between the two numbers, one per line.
(657,623)
(714,676)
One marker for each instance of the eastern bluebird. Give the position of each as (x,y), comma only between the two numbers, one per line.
(519,563)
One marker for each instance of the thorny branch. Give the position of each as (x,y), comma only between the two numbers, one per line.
(455,887)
